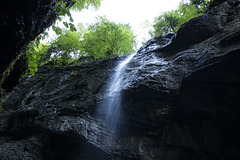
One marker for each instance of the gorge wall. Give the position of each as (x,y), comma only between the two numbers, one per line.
(21,22)
(180,101)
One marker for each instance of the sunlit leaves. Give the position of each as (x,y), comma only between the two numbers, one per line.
(72,27)
(57,30)
(66,24)
(62,9)
(64,47)
(33,54)
(167,22)
(39,54)
(171,21)
(108,39)
(81,4)
(103,39)
(201,5)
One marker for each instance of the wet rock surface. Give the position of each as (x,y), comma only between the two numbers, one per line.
(178,104)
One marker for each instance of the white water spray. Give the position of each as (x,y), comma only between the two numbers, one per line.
(118,75)
(110,107)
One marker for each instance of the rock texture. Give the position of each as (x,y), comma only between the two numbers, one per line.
(180,99)
(21,22)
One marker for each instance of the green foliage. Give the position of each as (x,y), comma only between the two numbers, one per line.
(42,52)
(201,5)
(106,39)
(187,12)
(39,54)
(63,9)
(172,20)
(57,30)
(33,54)
(2,98)
(62,50)
(81,4)
(165,23)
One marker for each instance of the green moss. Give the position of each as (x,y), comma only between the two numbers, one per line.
(2,98)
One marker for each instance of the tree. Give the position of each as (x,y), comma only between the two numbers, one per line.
(85,4)
(63,49)
(66,48)
(63,9)
(35,51)
(201,5)
(106,39)
(172,20)
(187,11)
(165,23)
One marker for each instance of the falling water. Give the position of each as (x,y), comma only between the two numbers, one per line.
(110,108)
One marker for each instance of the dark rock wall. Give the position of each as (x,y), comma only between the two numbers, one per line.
(180,101)
(21,22)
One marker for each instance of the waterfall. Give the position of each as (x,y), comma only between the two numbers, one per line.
(110,108)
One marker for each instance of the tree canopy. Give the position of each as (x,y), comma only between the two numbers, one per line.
(106,39)
(171,21)
(103,39)
(63,9)
(35,50)
(60,50)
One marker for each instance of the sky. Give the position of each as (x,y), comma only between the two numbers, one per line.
(133,12)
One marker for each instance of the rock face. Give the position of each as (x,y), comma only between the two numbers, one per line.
(21,22)
(180,99)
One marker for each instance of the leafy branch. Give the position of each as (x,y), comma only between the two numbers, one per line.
(171,21)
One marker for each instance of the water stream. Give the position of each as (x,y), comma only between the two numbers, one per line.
(110,108)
